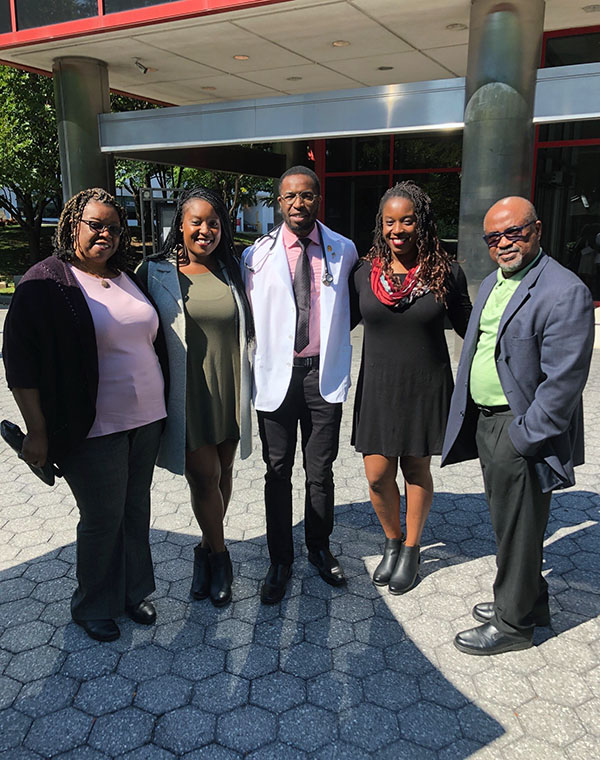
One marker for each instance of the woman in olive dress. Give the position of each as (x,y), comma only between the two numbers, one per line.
(197,286)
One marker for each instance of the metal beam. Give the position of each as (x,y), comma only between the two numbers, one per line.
(564,93)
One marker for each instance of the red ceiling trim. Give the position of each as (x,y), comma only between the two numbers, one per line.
(154,14)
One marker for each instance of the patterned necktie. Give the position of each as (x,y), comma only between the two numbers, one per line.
(302,294)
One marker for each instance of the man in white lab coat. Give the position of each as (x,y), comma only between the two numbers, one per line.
(297,283)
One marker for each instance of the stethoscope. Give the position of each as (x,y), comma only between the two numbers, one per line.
(326,278)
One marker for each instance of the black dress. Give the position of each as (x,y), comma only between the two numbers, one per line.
(405,381)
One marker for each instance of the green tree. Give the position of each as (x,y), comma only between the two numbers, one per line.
(29,157)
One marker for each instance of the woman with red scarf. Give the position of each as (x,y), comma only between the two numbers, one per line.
(402,290)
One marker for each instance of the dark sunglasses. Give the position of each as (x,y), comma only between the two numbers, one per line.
(511,233)
(113,229)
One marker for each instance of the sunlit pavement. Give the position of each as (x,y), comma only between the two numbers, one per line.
(328,673)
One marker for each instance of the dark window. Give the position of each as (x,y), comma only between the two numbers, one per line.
(565,51)
(439,151)
(567,199)
(351,207)
(570,130)
(115,6)
(5,25)
(33,13)
(352,154)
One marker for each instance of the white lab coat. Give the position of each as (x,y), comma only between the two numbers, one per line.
(268,281)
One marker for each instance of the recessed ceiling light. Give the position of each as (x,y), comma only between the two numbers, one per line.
(241,57)
(456,27)
(340,43)
(595,8)
(208,89)
(384,68)
(293,79)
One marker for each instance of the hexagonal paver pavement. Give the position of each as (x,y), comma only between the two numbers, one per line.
(330,673)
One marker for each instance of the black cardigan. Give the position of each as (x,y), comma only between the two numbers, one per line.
(50,344)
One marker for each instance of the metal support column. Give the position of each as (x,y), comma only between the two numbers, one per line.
(504,53)
(81,91)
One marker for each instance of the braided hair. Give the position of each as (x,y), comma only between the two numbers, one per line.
(225,252)
(67,231)
(432,259)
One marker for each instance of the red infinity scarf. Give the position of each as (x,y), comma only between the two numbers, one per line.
(389,293)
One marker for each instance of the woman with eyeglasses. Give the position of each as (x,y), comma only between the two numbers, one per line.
(197,285)
(403,289)
(84,353)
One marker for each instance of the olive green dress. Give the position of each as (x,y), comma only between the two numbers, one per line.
(213,360)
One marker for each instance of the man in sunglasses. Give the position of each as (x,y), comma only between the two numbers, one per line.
(517,406)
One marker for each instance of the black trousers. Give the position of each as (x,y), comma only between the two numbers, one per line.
(519,512)
(320,432)
(110,477)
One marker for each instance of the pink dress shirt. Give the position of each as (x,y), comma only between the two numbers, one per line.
(130,381)
(293,249)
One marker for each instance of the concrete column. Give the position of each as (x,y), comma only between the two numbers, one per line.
(504,54)
(81,92)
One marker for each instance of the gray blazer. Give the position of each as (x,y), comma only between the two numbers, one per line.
(543,354)
(163,285)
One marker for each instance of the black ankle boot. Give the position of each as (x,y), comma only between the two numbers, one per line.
(404,576)
(221,578)
(201,577)
(384,569)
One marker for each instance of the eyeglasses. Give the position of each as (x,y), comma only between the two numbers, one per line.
(113,229)
(511,233)
(305,196)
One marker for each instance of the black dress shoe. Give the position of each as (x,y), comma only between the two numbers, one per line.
(100,630)
(484,612)
(404,575)
(143,613)
(274,585)
(221,578)
(384,569)
(487,639)
(328,566)
(201,578)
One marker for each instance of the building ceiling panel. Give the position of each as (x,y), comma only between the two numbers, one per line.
(308,78)
(311,32)
(162,66)
(406,67)
(453,58)
(216,44)
(422,24)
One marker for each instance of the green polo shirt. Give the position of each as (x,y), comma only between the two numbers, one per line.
(485,386)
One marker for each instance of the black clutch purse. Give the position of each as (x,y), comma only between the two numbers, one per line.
(14,436)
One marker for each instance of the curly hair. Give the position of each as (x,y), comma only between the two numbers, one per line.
(67,230)
(225,252)
(432,259)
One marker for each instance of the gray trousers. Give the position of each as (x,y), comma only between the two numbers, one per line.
(110,477)
(519,512)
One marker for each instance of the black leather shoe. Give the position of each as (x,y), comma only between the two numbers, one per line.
(142,613)
(328,566)
(100,630)
(484,612)
(487,639)
(273,589)
(384,569)
(404,575)
(201,578)
(221,578)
